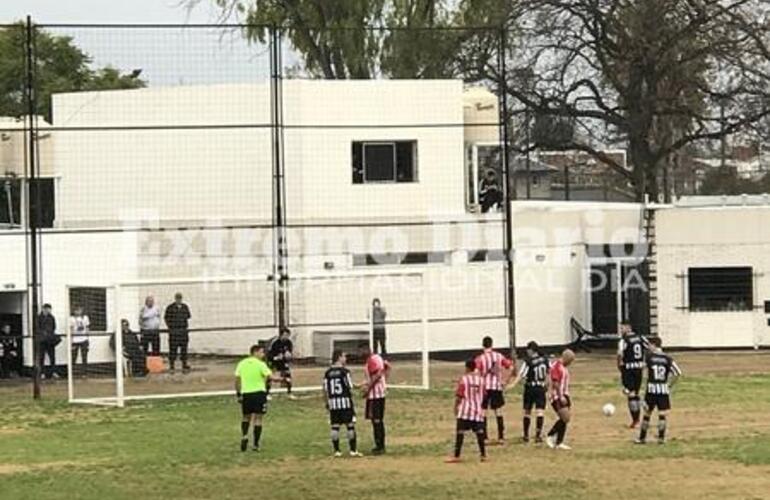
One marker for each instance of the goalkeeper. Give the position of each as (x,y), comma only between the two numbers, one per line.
(279,356)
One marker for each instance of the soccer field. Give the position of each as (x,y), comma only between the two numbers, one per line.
(719,445)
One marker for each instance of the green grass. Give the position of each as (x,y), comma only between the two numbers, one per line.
(188,449)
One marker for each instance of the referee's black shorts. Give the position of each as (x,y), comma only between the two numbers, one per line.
(254,402)
(375,409)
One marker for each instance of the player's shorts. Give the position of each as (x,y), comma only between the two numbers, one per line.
(632,379)
(342,417)
(254,402)
(558,405)
(375,409)
(660,401)
(282,368)
(469,425)
(534,396)
(493,400)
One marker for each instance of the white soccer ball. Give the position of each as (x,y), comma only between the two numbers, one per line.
(608,410)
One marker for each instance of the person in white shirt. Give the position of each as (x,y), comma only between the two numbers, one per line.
(149,327)
(79,329)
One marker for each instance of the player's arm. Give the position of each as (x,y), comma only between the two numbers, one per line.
(324,386)
(510,366)
(556,386)
(676,372)
(520,375)
(237,387)
(621,348)
(459,395)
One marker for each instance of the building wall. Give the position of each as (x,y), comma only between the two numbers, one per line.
(706,237)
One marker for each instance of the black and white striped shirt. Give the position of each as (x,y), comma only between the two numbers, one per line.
(660,369)
(338,388)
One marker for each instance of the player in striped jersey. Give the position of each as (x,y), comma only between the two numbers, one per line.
(338,389)
(375,388)
(631,350)
(491,365)
(469,398)
(560,399)
(662,374)
(534,371)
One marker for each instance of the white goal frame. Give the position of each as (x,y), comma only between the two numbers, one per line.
(113,300)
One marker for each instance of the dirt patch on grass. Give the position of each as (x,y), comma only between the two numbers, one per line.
(7,469)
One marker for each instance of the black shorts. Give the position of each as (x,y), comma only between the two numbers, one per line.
(282,368)
(534,396)
(493,400)
(254,402)
(558,405)
(375,409)
(660,401)
(632,379)
(469,425)
(342,417)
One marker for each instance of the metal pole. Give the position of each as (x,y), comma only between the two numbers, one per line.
(723,144)
(279,191)
(33,200)
(566,182)
(508,223)
(526,152)
(119,381)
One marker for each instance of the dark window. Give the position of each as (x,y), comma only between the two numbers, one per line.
(384,161)
(42,202)
(393,259)
(94,304)
(486,255)
(721,288)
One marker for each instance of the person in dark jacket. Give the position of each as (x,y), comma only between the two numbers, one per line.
(47,341)
(10,361)
(177,317)
(132,349)
(378,327)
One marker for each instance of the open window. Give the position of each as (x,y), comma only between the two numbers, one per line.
(384,162)
(721,288)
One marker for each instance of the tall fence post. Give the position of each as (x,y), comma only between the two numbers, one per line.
(280,260)
(33,203)
(507,225)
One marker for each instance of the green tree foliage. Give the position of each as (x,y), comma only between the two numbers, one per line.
(59,66)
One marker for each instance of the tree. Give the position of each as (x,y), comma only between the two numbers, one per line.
(653,76)
(59,66)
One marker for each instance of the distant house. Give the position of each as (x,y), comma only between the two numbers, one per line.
(583,177)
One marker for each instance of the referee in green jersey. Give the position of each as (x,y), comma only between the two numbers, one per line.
(251,377)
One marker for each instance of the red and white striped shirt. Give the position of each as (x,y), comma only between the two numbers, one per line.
(470,396)
(559,380)
(490,365)
(376,371)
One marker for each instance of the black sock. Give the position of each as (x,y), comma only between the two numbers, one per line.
(257,434)
(485,428)
(554,428)
(662,427)
(562,432)
(352,440)
(539,423)
(500,428)
(244,430)
(527,421)
(288,387)
(482,444)
(379,435)
(336,438)
(459,443)
(645,426)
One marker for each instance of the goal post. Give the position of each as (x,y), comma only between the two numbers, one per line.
(326,311)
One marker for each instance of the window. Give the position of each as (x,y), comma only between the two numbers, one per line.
(721,288)
(376,162)
(94,304)
(535,180)
(395,259)
(10,202)
(486,255)
(46,208)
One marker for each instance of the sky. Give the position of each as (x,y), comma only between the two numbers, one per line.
(166,56)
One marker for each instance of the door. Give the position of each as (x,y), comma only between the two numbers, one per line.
(604,298)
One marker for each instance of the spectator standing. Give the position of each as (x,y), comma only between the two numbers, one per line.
(149,327)
(378,327)
(79,331)
(47,341)
(177,318)
(10,362)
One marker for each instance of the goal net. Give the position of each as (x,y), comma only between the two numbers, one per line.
(326,312)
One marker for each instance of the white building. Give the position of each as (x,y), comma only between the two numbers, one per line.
(169,184)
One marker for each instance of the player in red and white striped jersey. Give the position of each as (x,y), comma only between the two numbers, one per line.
(375,389)
(469,398)
(560,399)
(491,365)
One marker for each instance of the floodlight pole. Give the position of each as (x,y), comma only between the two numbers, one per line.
(33,200)
(508,221)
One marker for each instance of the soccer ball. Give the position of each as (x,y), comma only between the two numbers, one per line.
(608,410)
